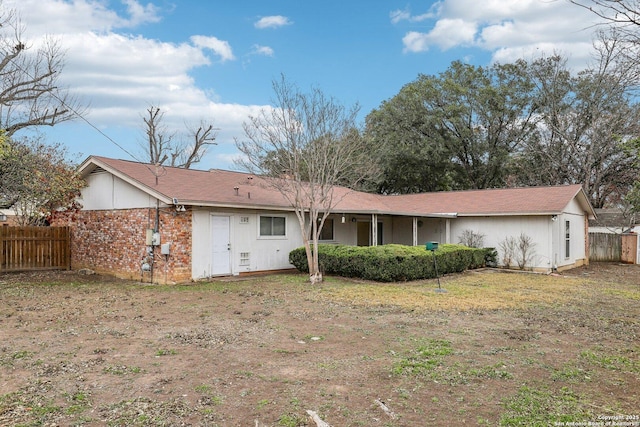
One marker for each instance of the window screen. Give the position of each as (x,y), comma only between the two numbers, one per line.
(272,226)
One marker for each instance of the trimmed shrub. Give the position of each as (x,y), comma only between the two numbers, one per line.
(391,263)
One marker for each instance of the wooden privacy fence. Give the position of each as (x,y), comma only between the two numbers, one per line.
(34,248)
(630,249)
(605,247)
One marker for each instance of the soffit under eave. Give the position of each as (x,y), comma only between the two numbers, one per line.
(585,204)
(508,214)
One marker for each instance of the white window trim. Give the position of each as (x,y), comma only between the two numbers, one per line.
(271,237)
(567,239)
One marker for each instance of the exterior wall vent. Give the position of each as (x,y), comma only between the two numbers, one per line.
(245,258)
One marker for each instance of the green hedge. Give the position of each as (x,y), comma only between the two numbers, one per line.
(391,263)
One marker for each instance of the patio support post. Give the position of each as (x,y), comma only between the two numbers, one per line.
(447,233)
(415,231)
(374,230)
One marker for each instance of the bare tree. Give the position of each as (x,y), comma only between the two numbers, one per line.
(508,247)
(525,250)
(305,146)
(29,91)
(472,239)
(182,152)
(622,13)
(621,24)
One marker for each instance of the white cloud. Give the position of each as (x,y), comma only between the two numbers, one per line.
(399,15)
(219,47)
(405,15)
(446,34)
(80,15)
(229,158)
(120,75)
(262,50)
(140,14)
(272,22)
(414,41)
(504,28)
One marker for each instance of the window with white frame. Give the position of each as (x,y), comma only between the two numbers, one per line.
(272,226)
(567,239)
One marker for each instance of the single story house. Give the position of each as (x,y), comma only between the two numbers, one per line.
(612,221)
(171,225)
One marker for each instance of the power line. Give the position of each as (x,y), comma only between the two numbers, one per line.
(78,114)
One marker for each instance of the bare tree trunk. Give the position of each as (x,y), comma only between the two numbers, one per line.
(162,145)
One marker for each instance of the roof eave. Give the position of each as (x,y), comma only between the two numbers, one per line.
(91,162)
(524,213)
(205,204)
(586,204)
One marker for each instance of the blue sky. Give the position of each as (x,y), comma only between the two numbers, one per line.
(214,60)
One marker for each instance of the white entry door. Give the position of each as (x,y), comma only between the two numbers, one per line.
(221,243)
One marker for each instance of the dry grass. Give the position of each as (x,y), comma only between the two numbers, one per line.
(486,290)
(496,349)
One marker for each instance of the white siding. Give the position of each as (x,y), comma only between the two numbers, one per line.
(264,253)
(403,230)
(576,218)
(497,229)
(105,192)
(346,233)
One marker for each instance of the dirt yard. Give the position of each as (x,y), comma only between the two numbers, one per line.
(495,349)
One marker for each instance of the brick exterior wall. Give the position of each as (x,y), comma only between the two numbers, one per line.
(114,242)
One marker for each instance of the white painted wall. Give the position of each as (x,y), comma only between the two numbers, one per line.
(403,231)
(575,216)
(265,253)
(105,192)
(347,233)
(497,229)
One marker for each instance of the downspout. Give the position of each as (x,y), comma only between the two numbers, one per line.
(552,256)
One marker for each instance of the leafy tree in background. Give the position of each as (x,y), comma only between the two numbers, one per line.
(37,180)
(622,20)
(305,145)
(29,91)
(453,131)
(632,198)
(584,120)
(164,147)
(519,124)
(411,155)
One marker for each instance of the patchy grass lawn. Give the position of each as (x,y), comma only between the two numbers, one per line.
(494,349)
(487,290)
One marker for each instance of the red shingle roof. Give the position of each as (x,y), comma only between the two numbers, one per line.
(227,188)
(503,201)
